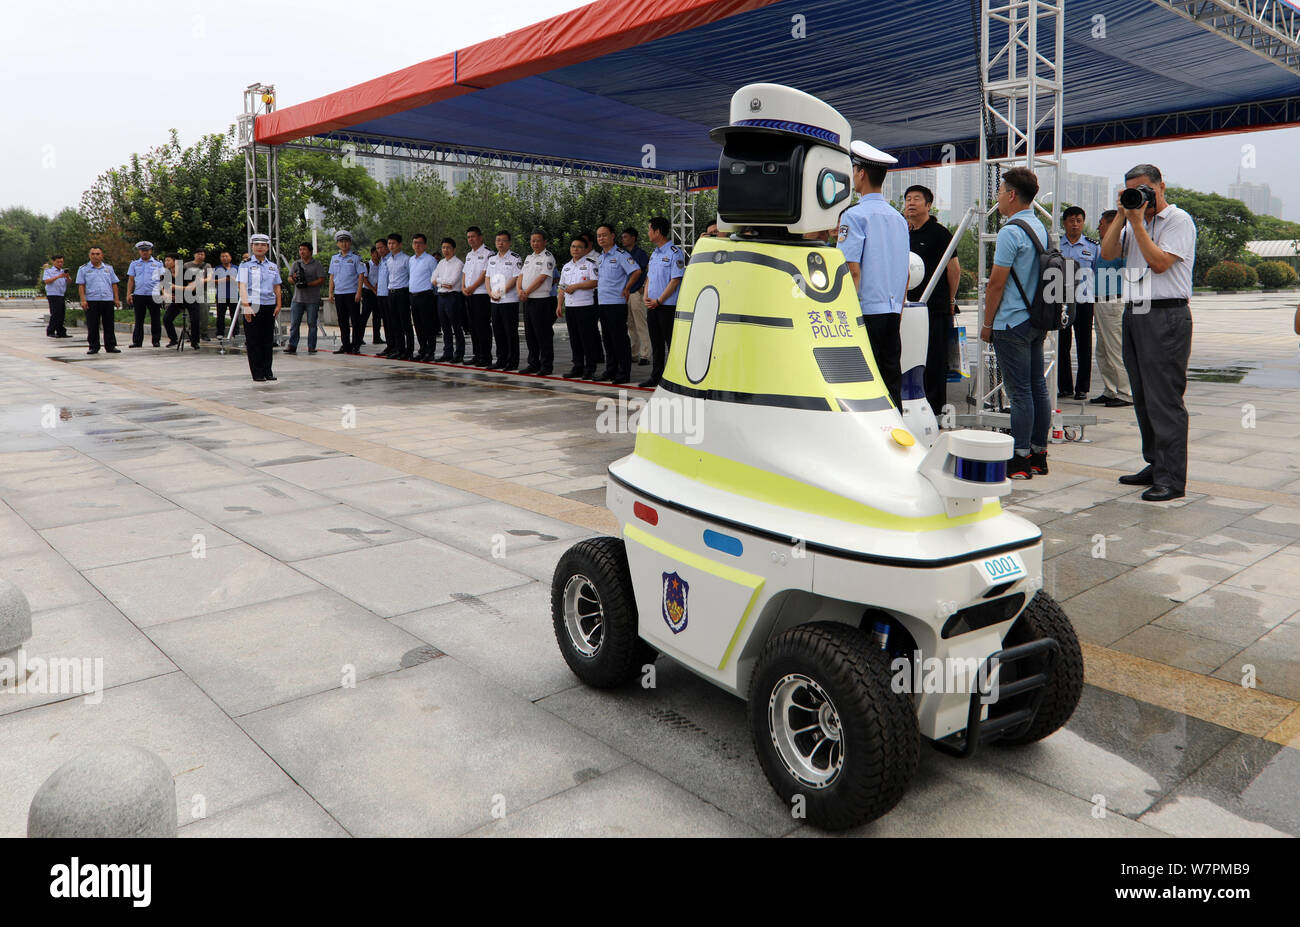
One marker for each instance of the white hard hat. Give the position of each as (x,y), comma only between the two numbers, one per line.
(862,153)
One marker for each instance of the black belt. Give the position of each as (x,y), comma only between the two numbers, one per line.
(1160,303)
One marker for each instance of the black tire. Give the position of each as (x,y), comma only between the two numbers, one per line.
(1044,617)
(616,654)
(878,735)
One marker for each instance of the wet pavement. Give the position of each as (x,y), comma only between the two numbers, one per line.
(324,602)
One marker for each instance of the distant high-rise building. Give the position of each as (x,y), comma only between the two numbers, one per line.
(1257,197)
(896,182)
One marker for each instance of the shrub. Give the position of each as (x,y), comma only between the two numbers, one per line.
(1277,273)
(966,284)
(1226,275)
(1252,276)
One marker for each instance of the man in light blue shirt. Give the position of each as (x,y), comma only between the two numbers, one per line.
(144,280)
(424,302)
(259,300)
(97,286)
(1018,345)
(874,238)
(619,272)
(1084,252)
(345,272)
(56,280)
(401,334)
(664,271)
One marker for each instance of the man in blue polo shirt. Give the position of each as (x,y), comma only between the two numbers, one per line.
(401,334)
(424,301)
(1018,345)
(619,272)
(144,281)
(875,240)
(664,271)
(97,286)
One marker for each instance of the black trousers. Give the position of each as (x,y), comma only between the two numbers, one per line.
(384,310)
(222,309)
(58,308)
(350,331)
(936,361)
(100,312)
(259,336)
(584,339)
(505,326)
(1157,346)
(451,319)
(192,314)
(1080,331)
(142,305)
(369,311)
(480,330)
(618,346)
(887,347)
(424,308)
(659,321)
(401,335)
(539,332)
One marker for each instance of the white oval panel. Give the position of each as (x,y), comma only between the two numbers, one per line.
(704,323)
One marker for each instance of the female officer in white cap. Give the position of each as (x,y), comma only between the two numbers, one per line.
(259,301)
(874,238)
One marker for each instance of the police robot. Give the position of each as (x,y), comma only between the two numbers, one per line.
(785,536)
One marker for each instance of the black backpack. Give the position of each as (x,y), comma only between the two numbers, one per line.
(1059,312)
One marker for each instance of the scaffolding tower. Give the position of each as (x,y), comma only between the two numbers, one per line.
(261,171)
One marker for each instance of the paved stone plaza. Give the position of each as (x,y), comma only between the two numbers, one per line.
(238,553)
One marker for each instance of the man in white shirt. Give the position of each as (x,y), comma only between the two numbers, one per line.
(448,278)
(479,303)
(1157,241)
(539,306)
(503,272)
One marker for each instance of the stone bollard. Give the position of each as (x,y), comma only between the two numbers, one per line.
(107,792)
(15,619)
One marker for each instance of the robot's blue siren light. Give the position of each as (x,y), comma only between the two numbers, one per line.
(723,542)
(980,471)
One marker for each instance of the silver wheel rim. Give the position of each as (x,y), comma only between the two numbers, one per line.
(584,616)
(805,729)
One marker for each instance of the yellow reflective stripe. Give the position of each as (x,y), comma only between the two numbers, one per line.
(774,489)
(694,560)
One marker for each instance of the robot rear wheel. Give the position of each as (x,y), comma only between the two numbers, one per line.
(827,726)
(593,611)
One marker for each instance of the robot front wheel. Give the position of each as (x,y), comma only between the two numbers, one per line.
(593,611)
(833,738)
(1044,617)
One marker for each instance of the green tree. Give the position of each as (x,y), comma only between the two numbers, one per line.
(1223,226)
(1270,228)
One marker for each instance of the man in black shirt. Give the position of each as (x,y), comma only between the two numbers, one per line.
(929,240)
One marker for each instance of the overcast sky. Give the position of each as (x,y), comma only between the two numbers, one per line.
(156,70)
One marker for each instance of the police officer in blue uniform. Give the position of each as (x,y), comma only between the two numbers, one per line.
(874,238)
(56,288)
(97,286)
(144,281)
(1085,252)
(346,269)
(619,272)
(259,301)
(666,267)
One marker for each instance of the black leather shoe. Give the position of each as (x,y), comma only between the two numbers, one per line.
(1080,395)
(573,374)
(342,350)
(1162,494)
(290,350)
(1114,402)
(531,368)
(446,359)
(649,384)
(458,359)
(113,350)
(1099,400)
(269,377)
(605,376)
(135,346)
(1141,478)
(259,379)
(643,362)
(93,351)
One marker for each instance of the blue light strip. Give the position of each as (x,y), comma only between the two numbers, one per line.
(825,135)
(723,542)
(981,471)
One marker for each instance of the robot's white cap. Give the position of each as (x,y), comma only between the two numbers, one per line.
(862,153)
(783,110)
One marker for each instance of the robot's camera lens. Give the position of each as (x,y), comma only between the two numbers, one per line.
(737,167)
(769,167)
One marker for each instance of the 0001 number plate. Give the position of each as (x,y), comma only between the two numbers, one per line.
(1002,569)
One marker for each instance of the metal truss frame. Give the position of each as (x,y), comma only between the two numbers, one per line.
(1269,28)
(261,187)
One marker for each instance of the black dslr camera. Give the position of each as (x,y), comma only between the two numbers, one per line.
(1133,197)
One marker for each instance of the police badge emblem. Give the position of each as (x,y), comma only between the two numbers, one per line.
(675,590)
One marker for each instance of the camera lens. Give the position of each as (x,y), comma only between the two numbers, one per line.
(1131,198)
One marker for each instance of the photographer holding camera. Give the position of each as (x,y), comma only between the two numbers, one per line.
(1157,241)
